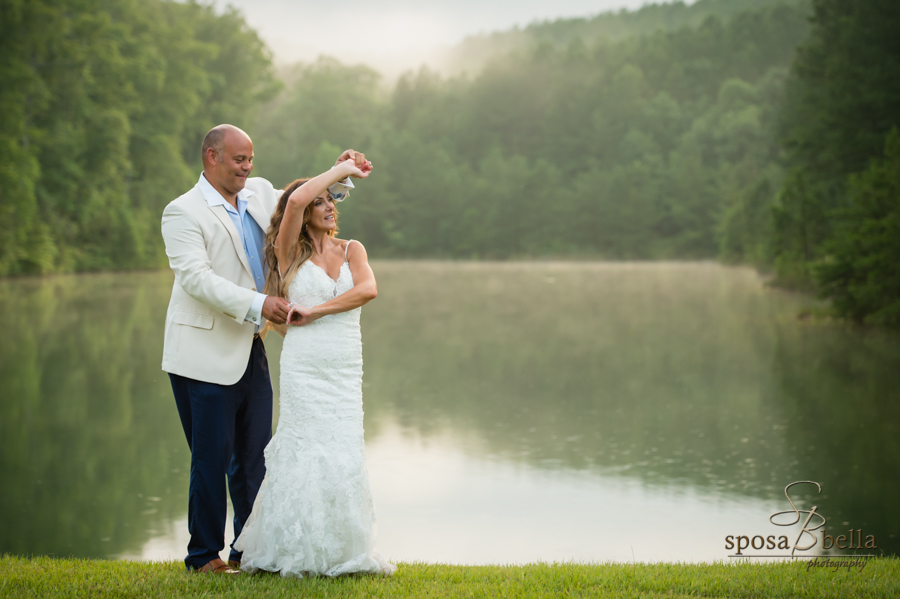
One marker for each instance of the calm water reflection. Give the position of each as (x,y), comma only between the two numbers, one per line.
(514,412)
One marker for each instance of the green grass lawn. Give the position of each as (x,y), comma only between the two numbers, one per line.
(52,577)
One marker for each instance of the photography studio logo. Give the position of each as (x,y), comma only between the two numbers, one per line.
(811,532)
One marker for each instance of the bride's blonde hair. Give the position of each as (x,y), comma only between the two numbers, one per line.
(278,284)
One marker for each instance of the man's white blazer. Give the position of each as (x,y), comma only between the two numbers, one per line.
(207,338)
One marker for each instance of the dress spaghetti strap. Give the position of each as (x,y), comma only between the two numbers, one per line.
(347,247)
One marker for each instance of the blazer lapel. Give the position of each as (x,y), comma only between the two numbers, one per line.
(222,215)
(259,214)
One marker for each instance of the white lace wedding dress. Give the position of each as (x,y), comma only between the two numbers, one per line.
(314,513)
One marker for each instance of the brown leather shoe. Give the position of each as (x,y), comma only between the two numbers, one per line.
(217,566)
(234,564)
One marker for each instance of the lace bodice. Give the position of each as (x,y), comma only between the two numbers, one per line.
(312,285)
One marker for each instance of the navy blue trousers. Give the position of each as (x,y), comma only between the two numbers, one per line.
(227,428)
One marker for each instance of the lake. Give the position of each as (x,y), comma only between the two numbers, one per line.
(514,412)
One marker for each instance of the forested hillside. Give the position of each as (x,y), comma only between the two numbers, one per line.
(751,131)
(647,148)
(471,54)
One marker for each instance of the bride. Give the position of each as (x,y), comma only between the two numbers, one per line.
(314,513)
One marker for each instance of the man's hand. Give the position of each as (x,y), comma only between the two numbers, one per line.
(349,169)
(346,155)
(358,158)
(275,309)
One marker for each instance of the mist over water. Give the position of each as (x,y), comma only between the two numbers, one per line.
(514,412)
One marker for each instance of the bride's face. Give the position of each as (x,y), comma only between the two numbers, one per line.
(323,214)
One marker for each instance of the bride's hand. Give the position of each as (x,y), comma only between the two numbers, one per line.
(299,316)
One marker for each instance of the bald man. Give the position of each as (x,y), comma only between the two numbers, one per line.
(214,236)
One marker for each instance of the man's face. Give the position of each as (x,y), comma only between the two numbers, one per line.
(233,165)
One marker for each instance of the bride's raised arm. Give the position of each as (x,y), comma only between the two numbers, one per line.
(289,232)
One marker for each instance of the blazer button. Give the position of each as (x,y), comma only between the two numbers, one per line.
(254,289)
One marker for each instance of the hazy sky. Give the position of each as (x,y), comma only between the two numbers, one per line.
(395,34)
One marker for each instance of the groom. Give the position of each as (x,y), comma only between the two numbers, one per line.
(214,236)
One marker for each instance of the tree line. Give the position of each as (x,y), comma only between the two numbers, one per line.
(760,135)
(102,108)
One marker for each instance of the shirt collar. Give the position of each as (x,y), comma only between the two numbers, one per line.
(214,198)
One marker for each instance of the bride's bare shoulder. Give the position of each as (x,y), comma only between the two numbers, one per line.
(342,243)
